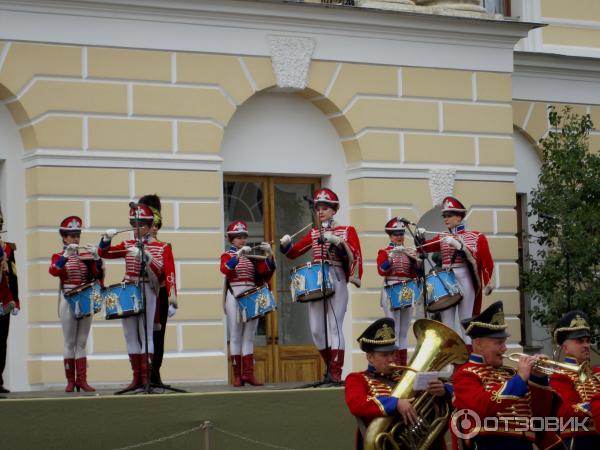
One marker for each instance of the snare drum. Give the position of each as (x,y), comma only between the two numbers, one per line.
(443,290)
(85,299)
(306,282)
(122,300)
(256,302)
(403,294)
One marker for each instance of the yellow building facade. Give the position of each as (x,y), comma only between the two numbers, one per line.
(422,105)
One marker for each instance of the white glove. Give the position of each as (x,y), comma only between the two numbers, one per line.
(71,250)
(285,241)
(449,240)
(266,247)
(488,289)
(94,251)
(15,311)
(397,250)
(243,251)
(109,234)
(133,251)
(172,311)
(421,232)
(332,238)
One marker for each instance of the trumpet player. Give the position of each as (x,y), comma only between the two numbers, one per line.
(9,296)
(467,253)
(397,264)
(73,272)
(487,389)
(368,393)
(580,393)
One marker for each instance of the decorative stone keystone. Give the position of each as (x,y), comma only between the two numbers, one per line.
(290,56)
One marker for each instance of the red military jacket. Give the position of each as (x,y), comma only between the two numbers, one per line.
(243,270)
(350,257)
(477,253)
(9,286)
(368,395)
(499,392)
(401,266)
(161,266)
(75,270)
(576,394)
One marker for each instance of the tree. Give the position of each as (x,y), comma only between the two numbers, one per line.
(564,274)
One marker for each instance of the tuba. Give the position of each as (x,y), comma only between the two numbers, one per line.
(437,346)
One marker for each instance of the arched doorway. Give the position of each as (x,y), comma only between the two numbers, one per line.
(277,149)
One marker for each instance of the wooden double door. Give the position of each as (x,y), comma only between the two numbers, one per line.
(272,207)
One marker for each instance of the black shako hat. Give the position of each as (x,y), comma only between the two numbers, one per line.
(572,325)
(490,323)
(378,337)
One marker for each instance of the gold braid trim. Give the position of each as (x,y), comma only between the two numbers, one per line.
(489,326)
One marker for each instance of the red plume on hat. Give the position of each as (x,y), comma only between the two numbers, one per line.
(237,227)
(70,224)
(452,204)
(395,225)
(326,196)
(141,212)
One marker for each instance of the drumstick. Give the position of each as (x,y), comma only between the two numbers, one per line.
(259,257)
(125,230)
(300,231)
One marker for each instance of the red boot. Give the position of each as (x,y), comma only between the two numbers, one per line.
(70,374)
(81,381)
(248,371)
(144,365)
(336,365)
(326,355)
(136,360)
(236,365)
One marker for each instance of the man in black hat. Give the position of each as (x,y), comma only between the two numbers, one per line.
(368,393)
(484,389)
(572,334)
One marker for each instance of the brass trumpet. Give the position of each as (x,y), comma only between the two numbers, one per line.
(548,366)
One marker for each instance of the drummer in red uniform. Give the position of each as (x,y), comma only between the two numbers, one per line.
(74,269)
(467,253)
(580,393)
(158,258)
(9,296)
(397,264)
(339,246)
(242,274)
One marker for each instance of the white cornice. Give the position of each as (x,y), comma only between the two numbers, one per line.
(121,160)
(422,171)
(556,78)
(240,27)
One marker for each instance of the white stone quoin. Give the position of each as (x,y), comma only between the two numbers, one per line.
(290,56)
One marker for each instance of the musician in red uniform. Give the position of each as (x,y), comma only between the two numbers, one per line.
(368,393)
(397,264)
(577,391)
(489,390)
(9,296)
(74,269)
(339,246)
(159,266)
(167,301)
(241,275)
(467,253)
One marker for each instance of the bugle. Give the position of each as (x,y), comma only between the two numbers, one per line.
(548,366)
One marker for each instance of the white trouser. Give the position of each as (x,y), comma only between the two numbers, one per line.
(336,310)
(75,331)
(402,318)
(241,334)
(465,306)
(133,326)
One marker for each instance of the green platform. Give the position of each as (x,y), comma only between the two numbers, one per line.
(255,419)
